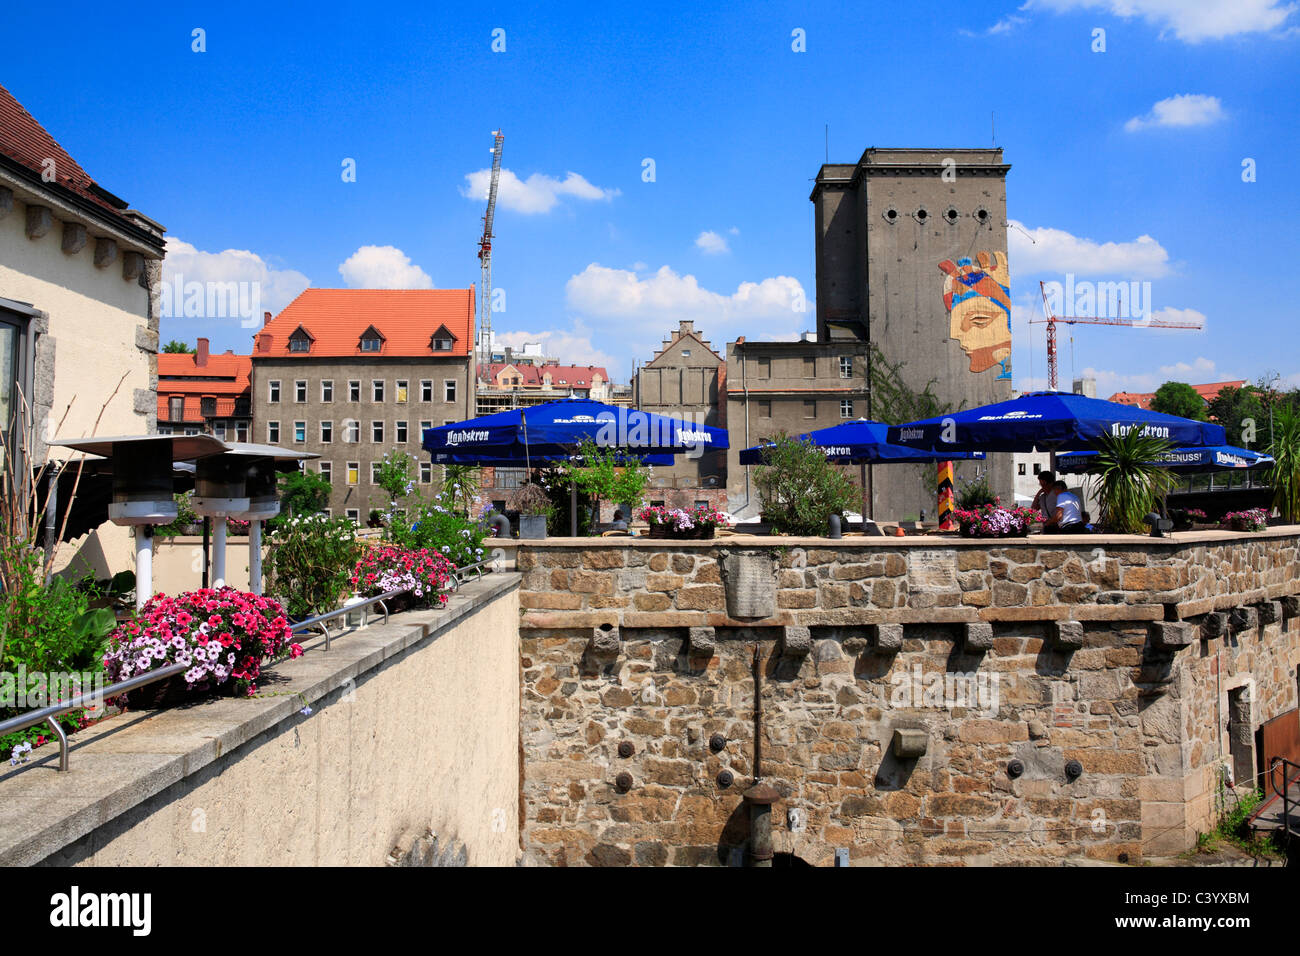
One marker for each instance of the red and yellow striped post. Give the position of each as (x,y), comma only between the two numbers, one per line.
(946,522)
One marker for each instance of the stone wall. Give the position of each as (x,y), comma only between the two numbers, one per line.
(1117,653)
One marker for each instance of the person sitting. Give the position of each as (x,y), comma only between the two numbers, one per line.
(620,523)
(1045,501)
(1067,514)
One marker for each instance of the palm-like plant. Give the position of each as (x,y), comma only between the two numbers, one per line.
(1284,475)
(1129,482)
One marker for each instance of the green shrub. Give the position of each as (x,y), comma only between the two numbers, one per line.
(302,493)
(604,474)
(975,494)
(1284,475)
(310,562)
(439,528)
(799,489)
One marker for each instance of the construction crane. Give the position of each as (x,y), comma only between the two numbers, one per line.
(485,258)
(1051,320)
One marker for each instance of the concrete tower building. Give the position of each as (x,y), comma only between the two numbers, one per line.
(911,258)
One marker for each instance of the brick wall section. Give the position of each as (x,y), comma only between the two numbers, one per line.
(1145,719)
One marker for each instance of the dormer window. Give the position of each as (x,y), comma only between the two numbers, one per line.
(442,340)
(300,341)
(372,340)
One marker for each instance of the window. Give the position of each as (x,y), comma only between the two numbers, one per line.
(809,409)
(1020,468)
(1037,468)
(191,431)
(426,390)
(423,427)
(426,472)
(441,341)
(656,504)
(300,341)
(511,477)
(686,353)
(764,368)
(403,387)
(207,407)
(374,472)
(354,472)
(377,390)
(176,408)
(400,437)
(701,504)
(764,408)
(846,366)
(354,516)
(846,408)
(354,390)
(327,472)
(219,430)
(371,340)
(164,430)
(351,431)
(377,432)
(241,431)
(299,431)
(327,390)
(272,433)
(273,390)
(326,432)
(300,390)
(449,390)
(809,367)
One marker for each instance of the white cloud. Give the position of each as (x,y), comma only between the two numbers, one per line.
(276,288)
(1189,20)
(572,346)
(710,243)
(1190,316)
(537,194)
(383,267)
(1183,110)
(1047,250)
(666,297)
(1005,25)
(1200,369)
(734,231)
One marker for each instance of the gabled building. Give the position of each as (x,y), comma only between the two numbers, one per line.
(352,374)
(80,280)
(201,393)
(510,383)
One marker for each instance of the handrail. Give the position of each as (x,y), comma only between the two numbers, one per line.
(1284,792)
(50,713)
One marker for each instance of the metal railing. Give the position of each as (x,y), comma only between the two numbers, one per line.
(1290,773)
(50,714)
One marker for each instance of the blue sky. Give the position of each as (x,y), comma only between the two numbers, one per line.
(238,151)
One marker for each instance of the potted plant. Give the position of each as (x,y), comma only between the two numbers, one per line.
(700,521)
(993,521)
(534,510)
(1129,484)
(420,572)
(1284,475)
(799,489)
(222,635)
(1255,519)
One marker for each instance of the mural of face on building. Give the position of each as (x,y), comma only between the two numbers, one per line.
(977,294)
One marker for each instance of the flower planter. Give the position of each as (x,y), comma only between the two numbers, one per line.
(532,527)
(690,534)
(173,692)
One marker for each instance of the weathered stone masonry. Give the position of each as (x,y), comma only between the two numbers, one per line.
(1109,658)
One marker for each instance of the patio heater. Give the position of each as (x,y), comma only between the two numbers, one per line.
(220,492)
(143,486)
(262,465)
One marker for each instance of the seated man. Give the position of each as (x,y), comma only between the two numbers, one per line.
(1045,501)
(1067,516)
(620,523)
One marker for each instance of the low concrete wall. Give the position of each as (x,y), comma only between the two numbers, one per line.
(178,563)
(414,727)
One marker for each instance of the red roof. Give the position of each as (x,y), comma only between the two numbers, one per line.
(1143,399)
(225,377)
(562,376)
(406,319)
(26,141)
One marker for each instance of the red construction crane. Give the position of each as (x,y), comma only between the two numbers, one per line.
(1050,321)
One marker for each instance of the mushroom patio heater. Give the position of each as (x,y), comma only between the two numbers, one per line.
(261,466)
(220,491)
(143,486)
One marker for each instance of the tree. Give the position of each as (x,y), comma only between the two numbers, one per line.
(893,401)
(1241,413)
(606,473)
(303,493)
(177,348)
(799,489)
(1179,398)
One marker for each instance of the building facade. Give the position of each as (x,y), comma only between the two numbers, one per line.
(911,259)
(80,277)
(775,388)
(204,394)
(353,374)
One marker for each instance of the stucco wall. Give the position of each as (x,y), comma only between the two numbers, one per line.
(178,563)
(414,727)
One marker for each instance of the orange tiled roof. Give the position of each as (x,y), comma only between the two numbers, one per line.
(562,376)
(27,142)
(225,377)
(1143,399)
(336,318)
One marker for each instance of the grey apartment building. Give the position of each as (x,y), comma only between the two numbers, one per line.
(353,374)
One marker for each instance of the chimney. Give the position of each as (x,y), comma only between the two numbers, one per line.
(264,342)
(687,325)
(201,355)
(266,317)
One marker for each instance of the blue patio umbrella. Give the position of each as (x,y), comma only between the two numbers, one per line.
(1048,421)
(519,457)
(1188,460)
(860,442)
